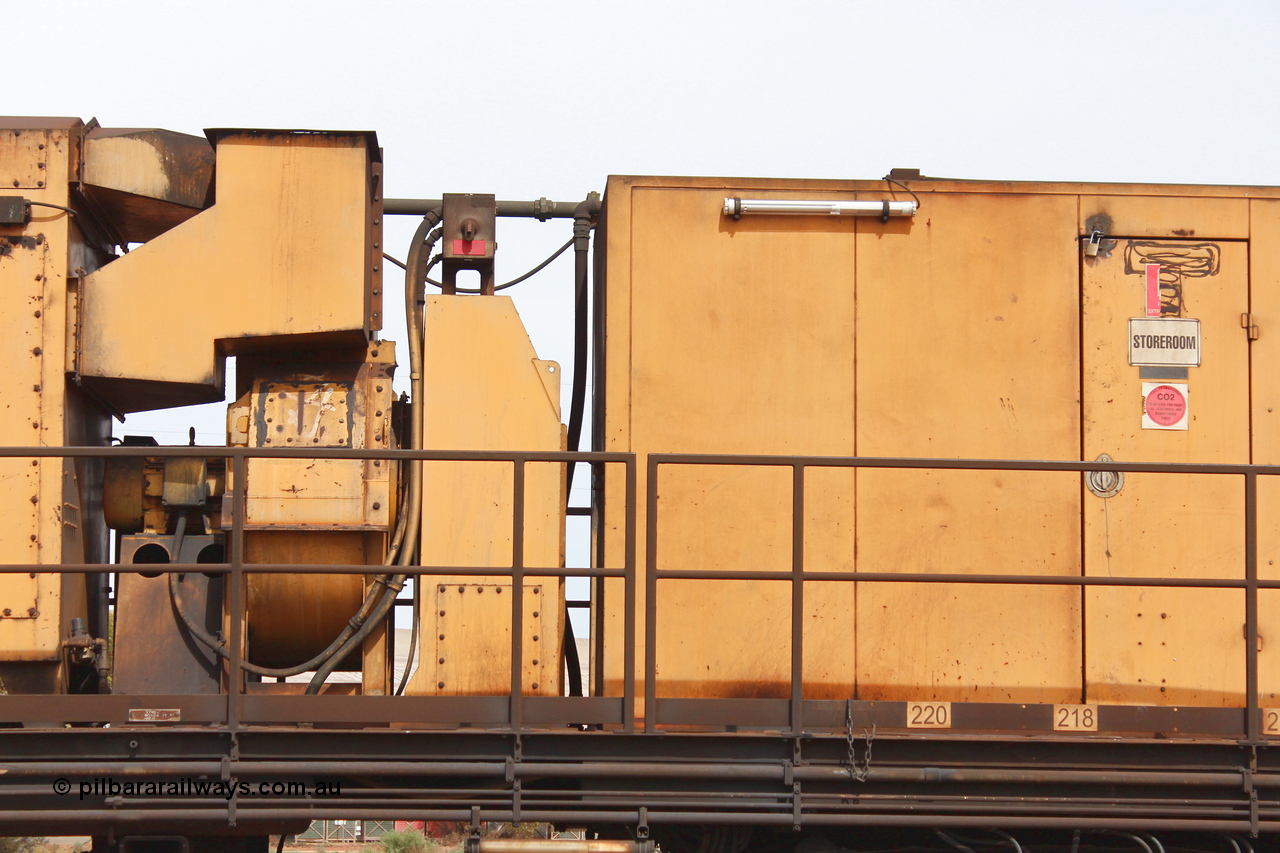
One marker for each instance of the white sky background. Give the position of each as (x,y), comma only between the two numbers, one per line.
(527,99)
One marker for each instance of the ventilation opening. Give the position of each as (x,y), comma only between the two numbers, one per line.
(151,554)
(213,553)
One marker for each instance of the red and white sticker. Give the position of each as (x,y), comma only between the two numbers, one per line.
(1164,405)
(1153,290)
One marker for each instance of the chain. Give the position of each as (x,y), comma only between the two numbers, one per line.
(857,770)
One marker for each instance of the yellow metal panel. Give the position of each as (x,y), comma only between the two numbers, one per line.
(288,237)
(472,639)
(1167,216)
(39,499)
(1264,305)
(24,159)
(731,337)
(1151,646)
(487,390)
(967,342)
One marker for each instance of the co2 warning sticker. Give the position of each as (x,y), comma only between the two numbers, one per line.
(1164,405)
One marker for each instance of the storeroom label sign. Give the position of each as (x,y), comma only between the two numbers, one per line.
(1164,342)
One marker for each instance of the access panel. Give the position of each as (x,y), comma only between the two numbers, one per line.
(1159,388)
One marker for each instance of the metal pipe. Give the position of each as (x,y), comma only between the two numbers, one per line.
(540,845)
(772,772)
(542,209)
(246,814)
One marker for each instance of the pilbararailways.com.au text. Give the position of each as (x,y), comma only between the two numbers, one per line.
(105,786)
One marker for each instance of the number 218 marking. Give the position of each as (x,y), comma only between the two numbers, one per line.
(1075,718)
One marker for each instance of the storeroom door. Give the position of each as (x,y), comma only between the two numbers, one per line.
(1165,367)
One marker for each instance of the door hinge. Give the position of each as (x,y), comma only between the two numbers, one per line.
(1246,323)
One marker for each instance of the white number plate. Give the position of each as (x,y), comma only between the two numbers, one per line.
(928,715)
(1075,718)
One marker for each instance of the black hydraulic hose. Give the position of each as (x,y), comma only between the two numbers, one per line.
(582,217)
(587,210)
(375,619)
(219,646)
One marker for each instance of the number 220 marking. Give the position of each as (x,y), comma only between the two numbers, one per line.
(928,715)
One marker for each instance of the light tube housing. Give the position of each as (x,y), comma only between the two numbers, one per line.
(795,206)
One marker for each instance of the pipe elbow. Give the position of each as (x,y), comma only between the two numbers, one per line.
(588,208)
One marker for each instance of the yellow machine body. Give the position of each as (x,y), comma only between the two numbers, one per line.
(486,389)
(983,327)
(51,507)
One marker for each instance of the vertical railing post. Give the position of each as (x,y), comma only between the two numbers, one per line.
(599,471)
(517,596)
(650,593)
(235,555)
(629,604)
(1253,719)
(797,597)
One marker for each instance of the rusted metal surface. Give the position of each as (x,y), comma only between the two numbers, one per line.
(153,653)
(145,181)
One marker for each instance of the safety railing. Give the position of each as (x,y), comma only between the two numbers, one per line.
(237,708)
(795,714)
(516,711)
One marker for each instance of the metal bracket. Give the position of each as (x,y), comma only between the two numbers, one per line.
(642,825)
(1252,791)
(797,800)
(473,840)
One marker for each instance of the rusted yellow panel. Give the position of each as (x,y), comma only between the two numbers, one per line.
(967,342)
(153,164)
(731,337)
(485,389)
(25,159)
(1151,646)
(1264,376)
(284,251)
(1165,216)
(333,404)
(294,617)
(473,625)
(40,497)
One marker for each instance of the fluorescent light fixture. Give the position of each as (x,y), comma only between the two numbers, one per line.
(736,207)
